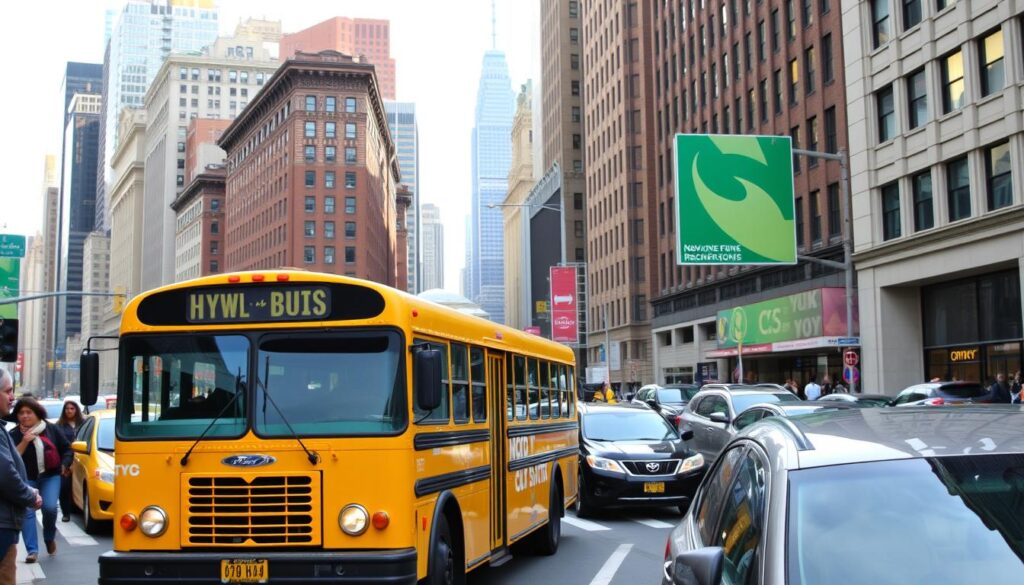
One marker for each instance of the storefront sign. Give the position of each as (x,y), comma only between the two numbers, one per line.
(963,355)
(816,317)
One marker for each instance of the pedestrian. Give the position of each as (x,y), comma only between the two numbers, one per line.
(826,385)
(791,386)
(15,492)
(812,390)
(1016,385)
(69,423)
(999,391)
(46,455)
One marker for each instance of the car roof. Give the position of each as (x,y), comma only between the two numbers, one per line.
(592,407)
(749,391)
(102,413)
(858,435)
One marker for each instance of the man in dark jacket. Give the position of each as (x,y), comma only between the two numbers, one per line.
(999,392)
(15,493)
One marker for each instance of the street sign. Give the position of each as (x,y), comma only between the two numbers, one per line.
(12,246)
(849,341)
(851,374)
(734,199)
(850,358)
(564,318)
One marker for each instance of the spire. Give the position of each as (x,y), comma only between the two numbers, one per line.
(494,26)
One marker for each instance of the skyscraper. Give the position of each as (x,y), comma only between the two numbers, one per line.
(492,157)
(358,37)
(145,33)
(402,123)
(432,236)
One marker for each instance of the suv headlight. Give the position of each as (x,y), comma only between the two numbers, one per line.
(602,464)
(153,521)
(692,463)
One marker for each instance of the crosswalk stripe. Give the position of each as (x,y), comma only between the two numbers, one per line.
(604,576)
(28,573)
(584,524)
(71,532)
(653,523)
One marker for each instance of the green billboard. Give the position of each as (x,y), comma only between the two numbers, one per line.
(10,276)
(734,199)
(796,316)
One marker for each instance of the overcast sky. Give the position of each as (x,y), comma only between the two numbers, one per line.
(437,45)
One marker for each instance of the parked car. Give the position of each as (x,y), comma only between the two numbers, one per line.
(860,400)
(630,456)
(941,393)
(53,407)
(668,401)
(908,495)
(92,473)
(787,409)
(710,413)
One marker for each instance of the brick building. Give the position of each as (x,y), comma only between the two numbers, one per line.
(362,37)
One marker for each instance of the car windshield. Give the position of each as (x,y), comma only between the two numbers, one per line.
(675,395)
(105,435)
(963,391)
(627,426)
(342,384)
(741,402)
(53,409)
(936,520)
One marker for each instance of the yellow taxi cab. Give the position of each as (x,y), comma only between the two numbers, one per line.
(92,473)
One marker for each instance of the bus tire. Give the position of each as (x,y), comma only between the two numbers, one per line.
(445,566)
(547,538)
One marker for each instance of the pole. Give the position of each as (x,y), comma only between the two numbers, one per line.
(844,181)
(740,353)
(607,348)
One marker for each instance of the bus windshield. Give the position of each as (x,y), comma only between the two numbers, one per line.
(178,384)
(330,384)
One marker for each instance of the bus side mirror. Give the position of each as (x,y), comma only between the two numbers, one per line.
(427,378)
(89,369)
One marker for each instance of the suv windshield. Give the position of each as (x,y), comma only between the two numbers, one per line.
(343,384)
(627,426)
(675,395)
(963,390)
(177,385)
(938,521)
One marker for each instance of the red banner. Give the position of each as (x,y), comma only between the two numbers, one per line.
(564,323)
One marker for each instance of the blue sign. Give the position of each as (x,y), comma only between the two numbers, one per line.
(851,374)
(849,341)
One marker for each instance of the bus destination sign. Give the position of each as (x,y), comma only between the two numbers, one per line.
(259,304)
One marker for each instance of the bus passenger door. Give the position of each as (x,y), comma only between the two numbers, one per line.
(496,391)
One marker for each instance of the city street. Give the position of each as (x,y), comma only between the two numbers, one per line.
(75,561)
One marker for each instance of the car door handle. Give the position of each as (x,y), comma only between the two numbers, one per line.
(709,429)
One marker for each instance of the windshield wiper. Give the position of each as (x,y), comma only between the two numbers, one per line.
(313,456)
(239,385)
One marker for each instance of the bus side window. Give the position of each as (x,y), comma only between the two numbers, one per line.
(439,415)
(557,390)
(571,378)
(534,389)
(522,402)
(479,384)
(545,390)
(460,384)
(510,404)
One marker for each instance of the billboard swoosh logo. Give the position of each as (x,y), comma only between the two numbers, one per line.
(754,222)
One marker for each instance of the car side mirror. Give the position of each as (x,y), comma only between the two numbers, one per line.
(427,377)
(686,435)
(699,567)
(719,417)
(80,447)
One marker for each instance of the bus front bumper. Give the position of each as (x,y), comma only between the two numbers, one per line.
(392,566)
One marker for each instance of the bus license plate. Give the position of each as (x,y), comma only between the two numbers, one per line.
(244,571)
(654,487)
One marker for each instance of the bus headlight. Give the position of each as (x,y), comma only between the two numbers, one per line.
(354,520)
(153,521)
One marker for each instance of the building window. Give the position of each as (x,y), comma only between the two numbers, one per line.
(214,227)
(574,61)
(827,71)
(574,9)
(329,230)
(799,206)
(309,229)
(911,13)
(350,230)
(350,131)
(576,114)
(812,139)
(181,180)
(232,75)
(997,176)
(330,130)
(350,180)
(790,20)
(328,179)
(310,103)
(775,31)
(834,227)
(215,247)
(942,4)
(880,22)
(350,205)
(808,13)
(575,85)
(924,217)
(330,153)
(992,72)
(917,98)
(328,254)
(331,103)
(350,155)
(577,141)
(309,254)
(214,204)
(959,184)
(350,105)
(886,114)
(778,91)
(574,36)
(310,179)
(350,254)
(794,134)
(810,71)
(760,42)
(794,80)
(214,266)
(890,211)
(764,100)
(310,153)
(831,137)
(183,73)
(195,74)
(310,129)
(329,204)
(310,204)
(815,217)
(952,82)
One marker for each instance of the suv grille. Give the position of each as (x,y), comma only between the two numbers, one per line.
(254,509)
(658,467)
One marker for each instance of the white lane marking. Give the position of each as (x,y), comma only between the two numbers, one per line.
(71,532)
(27,573)
(653,523)
(604,576)
(584,524)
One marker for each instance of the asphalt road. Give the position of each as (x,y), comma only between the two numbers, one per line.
(615,548)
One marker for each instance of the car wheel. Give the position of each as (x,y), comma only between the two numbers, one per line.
(88,522)
(583,508)
(546,539)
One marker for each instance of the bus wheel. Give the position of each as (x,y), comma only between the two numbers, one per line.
(547,538)
(445,567)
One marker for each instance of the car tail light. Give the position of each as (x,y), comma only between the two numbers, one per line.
(677,419)
(934,402)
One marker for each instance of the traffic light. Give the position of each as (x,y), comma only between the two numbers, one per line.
(8,340)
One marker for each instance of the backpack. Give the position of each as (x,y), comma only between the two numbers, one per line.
(51,457)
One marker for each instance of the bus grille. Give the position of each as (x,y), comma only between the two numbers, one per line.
(265,510)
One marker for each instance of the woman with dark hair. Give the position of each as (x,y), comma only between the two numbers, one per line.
(70,421)
(47,455)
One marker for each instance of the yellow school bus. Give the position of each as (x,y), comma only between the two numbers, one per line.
(292,426)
